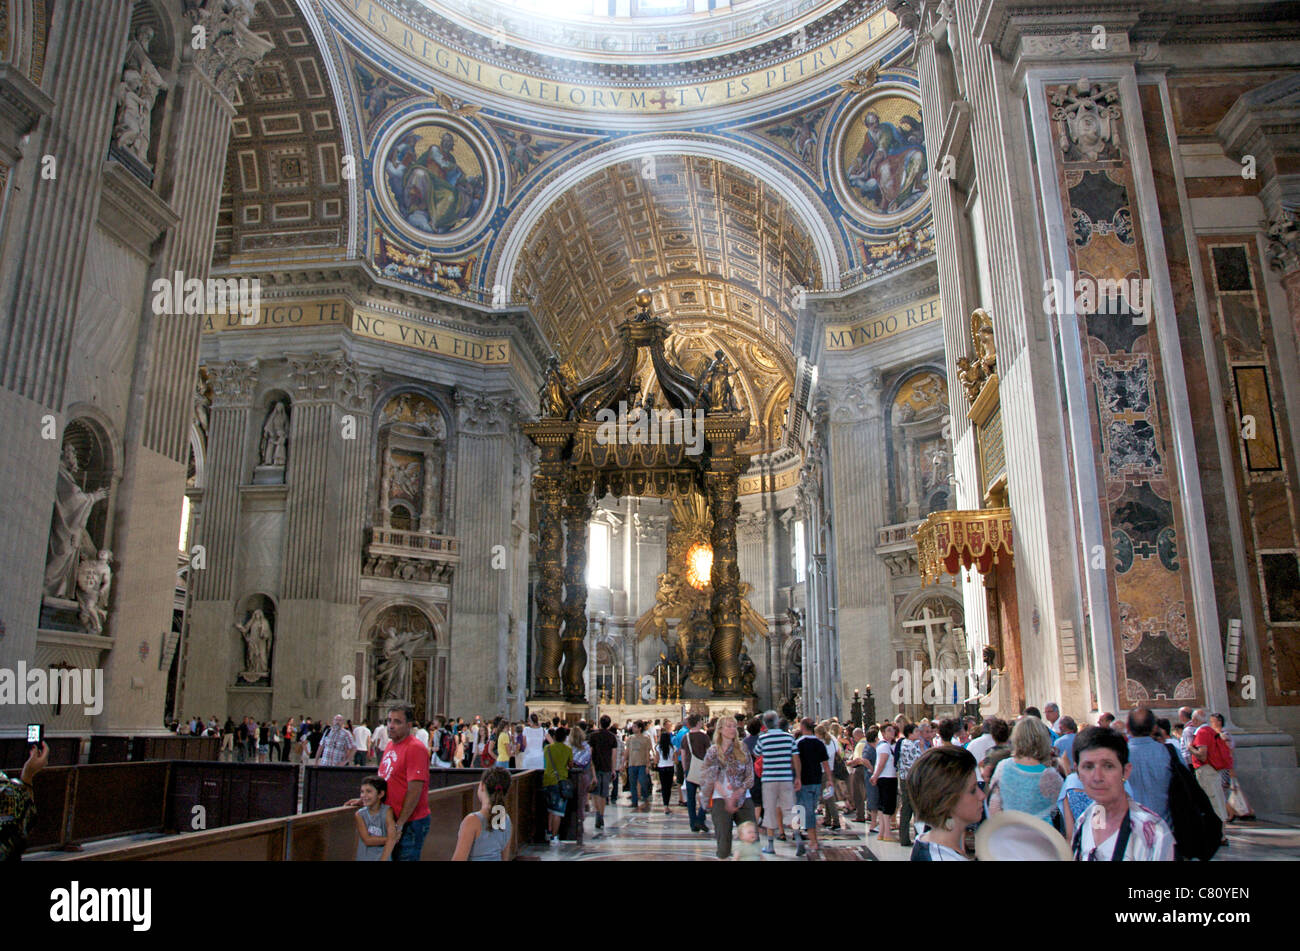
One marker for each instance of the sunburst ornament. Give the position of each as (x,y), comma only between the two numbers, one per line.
(699,565)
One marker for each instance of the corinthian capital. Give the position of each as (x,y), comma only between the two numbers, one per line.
(232,383)
(482,414)
(855,399)
(332,378)
(229,49)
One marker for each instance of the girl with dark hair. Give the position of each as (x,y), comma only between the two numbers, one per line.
(665,768)
(376,827)
(485,835)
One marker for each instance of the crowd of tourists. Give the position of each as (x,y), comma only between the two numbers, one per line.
(1132,789)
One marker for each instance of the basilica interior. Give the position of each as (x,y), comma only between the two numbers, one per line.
(954,337)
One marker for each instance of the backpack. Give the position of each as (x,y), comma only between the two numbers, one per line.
(447,747)
(1197,829)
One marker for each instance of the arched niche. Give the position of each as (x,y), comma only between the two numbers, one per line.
(919,447)
(407,659)
(930,631)
(253,631)
(81,519)
(271,452)
(412,463)
(143,91)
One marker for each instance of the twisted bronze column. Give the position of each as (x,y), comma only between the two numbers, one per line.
(724,649)
(577,511)
(550,540)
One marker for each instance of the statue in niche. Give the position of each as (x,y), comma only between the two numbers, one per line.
(275,437)
(139,87)
(394,674)
(94,578)
(72,508)
(256,632)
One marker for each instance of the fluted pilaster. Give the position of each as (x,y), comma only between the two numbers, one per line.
(52,229)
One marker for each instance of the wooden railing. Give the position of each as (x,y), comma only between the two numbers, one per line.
(330,834)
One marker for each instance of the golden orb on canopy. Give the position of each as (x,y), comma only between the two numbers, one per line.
(643,298)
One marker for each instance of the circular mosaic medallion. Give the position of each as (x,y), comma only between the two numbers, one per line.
(432,179)
(879,162)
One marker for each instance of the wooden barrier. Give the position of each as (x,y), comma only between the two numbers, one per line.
(205,748)
(53,791)
(326,786)
(110,749)
(113,799)
(329,834)
(64,751)
(230,793)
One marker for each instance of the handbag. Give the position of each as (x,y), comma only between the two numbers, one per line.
(839,770)
(1237,799)
(696,772)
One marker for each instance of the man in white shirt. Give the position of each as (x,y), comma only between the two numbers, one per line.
(379,741)
(421,734)
(980,746)
(1052,713)
(361,733)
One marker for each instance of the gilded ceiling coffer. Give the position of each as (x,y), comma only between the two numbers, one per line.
(696,427)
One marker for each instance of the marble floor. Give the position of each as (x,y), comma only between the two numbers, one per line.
(631,836)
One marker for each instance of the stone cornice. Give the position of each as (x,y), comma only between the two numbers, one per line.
(22,103)
(1265,123)
(356,281)
(131,212)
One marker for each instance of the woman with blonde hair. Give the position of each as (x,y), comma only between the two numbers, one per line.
(1026,782)
(728,776)
(582,774)
(829,803)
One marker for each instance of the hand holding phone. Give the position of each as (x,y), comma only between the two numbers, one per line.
(37,760)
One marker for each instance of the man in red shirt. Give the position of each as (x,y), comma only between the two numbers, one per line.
(405,767)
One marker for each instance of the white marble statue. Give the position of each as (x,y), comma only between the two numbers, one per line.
(94,578)
(395,665)
(275,437)
(256,632)
(72,508)
(141,82)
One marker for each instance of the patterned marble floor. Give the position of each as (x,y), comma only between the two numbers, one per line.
(654,837)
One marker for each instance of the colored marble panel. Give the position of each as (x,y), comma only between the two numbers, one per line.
(1150,594)
(1271,514)
(1281,586)
(1256,412)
